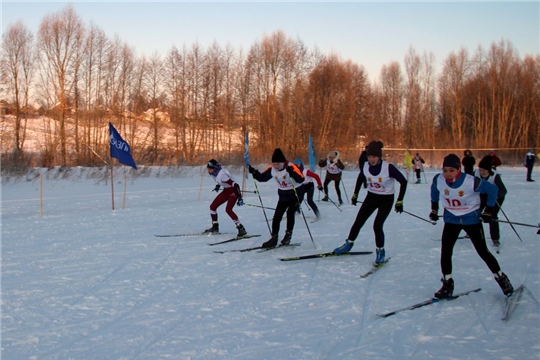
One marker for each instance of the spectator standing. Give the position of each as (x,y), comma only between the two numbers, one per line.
(529,163)
(468,162)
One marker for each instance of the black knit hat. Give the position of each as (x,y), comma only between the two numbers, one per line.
(277,156)
(375,149)
(485,163)
(212,164)
(452,160)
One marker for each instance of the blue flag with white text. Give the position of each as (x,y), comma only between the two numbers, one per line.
(312,159)
(120,148)
(246,152)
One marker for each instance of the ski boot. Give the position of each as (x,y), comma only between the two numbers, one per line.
(340,202)
(324,198)
(241,230)
(446,290)
(270,243)
(287,238)
(345,248)
(496,243)
(418,181)
(380,256)
(214,229)
(505,284)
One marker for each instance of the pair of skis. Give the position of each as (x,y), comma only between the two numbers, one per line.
(510,302)
(260,248)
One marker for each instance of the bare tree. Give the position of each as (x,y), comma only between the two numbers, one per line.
(60,39)
(17,68)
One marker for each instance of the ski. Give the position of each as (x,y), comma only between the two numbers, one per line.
(279,246)
(255,248)
(374,268)
(190,234)
(433,300)
(233,239)
(459,238)
(511,302)
(325,255)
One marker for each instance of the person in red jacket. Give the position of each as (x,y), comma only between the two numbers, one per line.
(495,161)
(309,187)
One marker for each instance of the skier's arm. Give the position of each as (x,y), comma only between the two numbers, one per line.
(315,176)
(396,174)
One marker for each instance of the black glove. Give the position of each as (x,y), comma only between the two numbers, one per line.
(240,201)
(216,189)
(433,215)
(354,199)
(251,169)
(399,206)
(290,170)
(320,188)
(486,215)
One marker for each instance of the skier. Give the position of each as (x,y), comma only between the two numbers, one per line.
(417,163)
(231,194)
(460,195)
(529,163)
(289,179)
(485,172)
(407,163)
(361,161)
(380,176)
(333,173)
(308,186)
(468,162)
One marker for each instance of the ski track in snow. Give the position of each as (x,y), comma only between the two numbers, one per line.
(84,281)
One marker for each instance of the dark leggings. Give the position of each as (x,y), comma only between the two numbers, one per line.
(309,189)
(476,234)
(282,206)
(336,183)
(371,203)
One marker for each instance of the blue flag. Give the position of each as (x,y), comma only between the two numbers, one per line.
(312,159)
(120,149)
(246,152)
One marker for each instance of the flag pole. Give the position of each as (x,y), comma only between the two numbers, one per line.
(112,183)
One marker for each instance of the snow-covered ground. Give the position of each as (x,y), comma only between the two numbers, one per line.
(86,282)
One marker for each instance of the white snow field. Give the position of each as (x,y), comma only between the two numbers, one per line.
(84,281)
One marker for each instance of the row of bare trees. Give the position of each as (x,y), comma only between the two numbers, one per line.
(196,101)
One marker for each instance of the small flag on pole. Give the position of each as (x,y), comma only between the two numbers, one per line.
(312,159)
(120,149)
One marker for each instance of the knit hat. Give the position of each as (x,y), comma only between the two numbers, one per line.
(215,165)
(485,163)
(491,152)
(277,156)
(375,149)
(452,160)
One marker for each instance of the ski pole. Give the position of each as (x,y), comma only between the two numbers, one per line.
(332,201)
(512,225)
(259,206)
(421,218)
(345,190)
(262,206)
(516,223)
(302,211)
(425,179)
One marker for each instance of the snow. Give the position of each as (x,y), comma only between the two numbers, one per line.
(84,281)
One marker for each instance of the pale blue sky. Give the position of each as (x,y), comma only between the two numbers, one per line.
(371,34)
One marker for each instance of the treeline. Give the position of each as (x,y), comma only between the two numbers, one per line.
(195,102)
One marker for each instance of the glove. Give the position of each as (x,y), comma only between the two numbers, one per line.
(240,202)
(486,215)
(251,169)
(216,189)
(399,206)
(290,170)
(354,199)
(433,215)
(320,188)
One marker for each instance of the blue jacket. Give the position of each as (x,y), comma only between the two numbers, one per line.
(480,186)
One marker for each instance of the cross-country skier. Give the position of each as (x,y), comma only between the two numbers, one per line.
(333,173)
(407,163)
(289,179)
(417,163)
(231,194)
(309,186)
(460,195)
(529,163)
(380,176)
(485,172)
(468,162)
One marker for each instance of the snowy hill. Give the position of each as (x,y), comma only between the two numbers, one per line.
(86,282)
